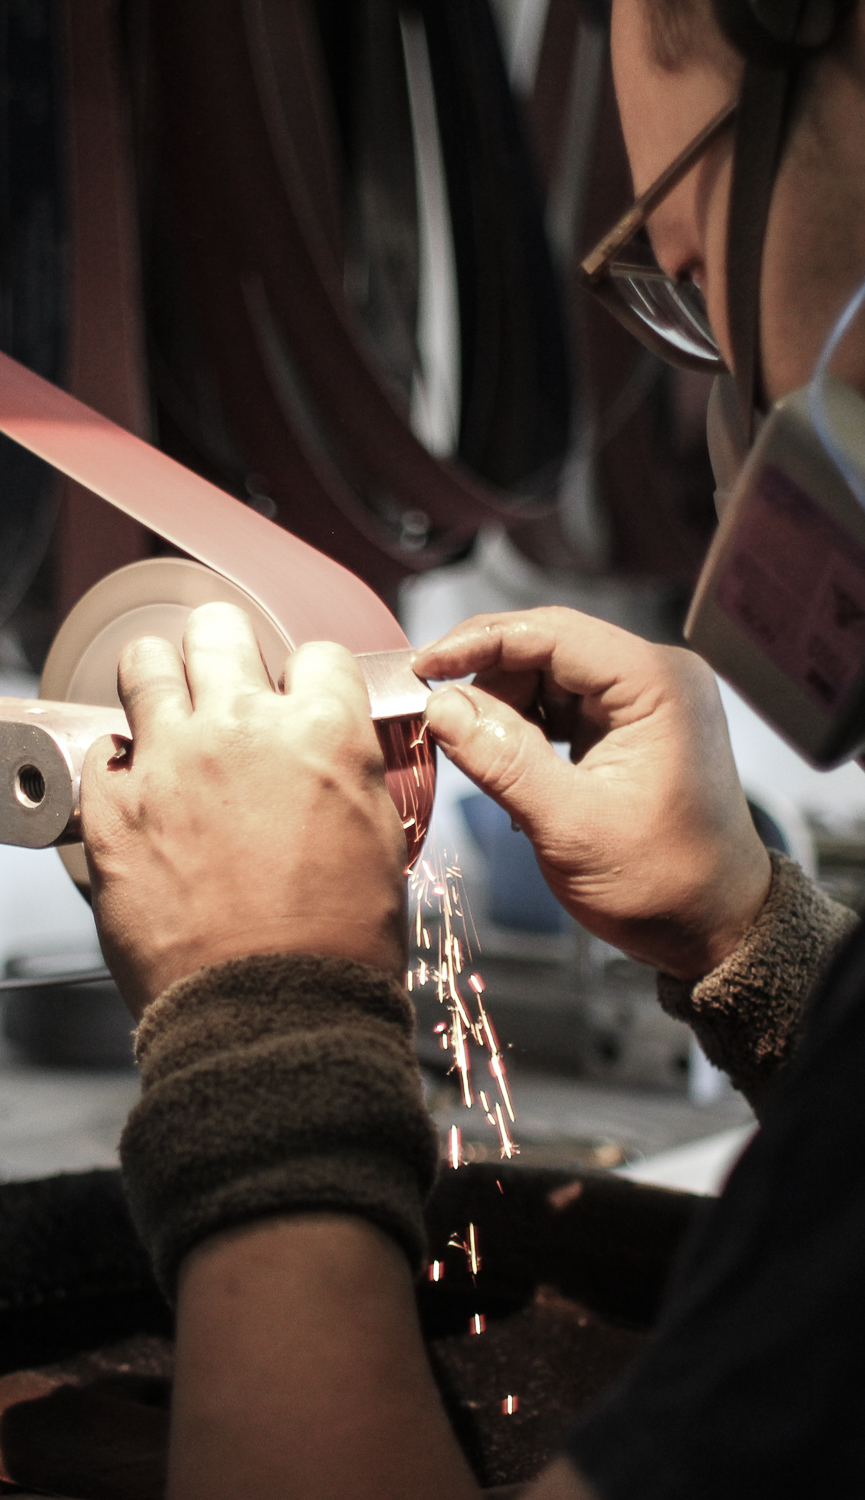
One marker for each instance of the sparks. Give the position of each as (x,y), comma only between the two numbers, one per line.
(510,1405)
(445,935)
(437,1270)
(478,1323)
(455,1148)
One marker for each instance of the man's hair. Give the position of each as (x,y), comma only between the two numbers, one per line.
(682,30)
(674,27)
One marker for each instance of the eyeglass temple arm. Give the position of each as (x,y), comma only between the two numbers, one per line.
(597,259)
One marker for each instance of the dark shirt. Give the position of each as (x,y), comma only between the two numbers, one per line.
(754,1383)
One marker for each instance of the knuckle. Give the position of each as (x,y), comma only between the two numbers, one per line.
(327,721)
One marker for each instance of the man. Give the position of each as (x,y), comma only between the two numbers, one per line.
(246,870)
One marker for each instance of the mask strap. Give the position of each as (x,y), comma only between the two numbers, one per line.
(761,123)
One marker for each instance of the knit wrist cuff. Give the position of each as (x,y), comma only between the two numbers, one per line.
(747,1013)
(276,1084)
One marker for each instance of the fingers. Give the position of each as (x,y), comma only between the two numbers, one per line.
(578,653)
(503,754)
(223,660)
(322,669)
(152,686)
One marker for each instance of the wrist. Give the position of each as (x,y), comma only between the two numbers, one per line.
(730,903)
(272,1085)
(379,943)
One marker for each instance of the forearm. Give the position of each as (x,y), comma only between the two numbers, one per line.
(301,1371)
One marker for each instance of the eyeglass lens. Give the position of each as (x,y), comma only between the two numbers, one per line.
(674,311)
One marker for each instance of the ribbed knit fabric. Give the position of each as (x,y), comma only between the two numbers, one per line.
(271,1085)
(747,1013)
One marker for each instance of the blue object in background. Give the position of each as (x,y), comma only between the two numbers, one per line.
(519,897)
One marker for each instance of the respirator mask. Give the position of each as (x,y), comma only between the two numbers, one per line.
(779,608)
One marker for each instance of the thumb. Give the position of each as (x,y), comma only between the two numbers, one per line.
(502,753)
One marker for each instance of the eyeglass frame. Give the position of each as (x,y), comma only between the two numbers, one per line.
(595,268)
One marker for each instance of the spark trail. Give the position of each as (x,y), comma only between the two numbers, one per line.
(447,943)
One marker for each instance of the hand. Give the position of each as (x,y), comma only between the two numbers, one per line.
(646,838)
(244,820)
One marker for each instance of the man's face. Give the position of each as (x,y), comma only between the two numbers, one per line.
(814,253)
(661,112)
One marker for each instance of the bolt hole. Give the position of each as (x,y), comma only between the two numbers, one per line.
(30,786)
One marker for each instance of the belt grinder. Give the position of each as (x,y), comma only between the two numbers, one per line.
(291,592)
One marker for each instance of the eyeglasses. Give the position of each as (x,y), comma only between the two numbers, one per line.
(668,316)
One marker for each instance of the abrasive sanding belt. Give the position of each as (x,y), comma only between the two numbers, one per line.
(312,597)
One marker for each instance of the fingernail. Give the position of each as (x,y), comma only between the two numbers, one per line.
(451,714)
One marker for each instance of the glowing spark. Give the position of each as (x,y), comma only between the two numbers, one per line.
(461,1058)
(455,1148)
(421,972)
(428,872)
(510,1405)
(409,980)
(477,983)
(507,1143)
(478,1323)
(410,823)
(499,1186)
(437,1270)
(485,1103)
(492,1039)
(446,1041)
(498,1073)
(420,739)
(474,1259)
(426,941)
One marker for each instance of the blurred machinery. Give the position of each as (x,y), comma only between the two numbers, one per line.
(324,256)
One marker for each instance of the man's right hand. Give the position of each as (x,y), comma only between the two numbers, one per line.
(646,837)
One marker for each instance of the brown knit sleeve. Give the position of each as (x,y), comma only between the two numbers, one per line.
(277,1084)
(747,1014)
